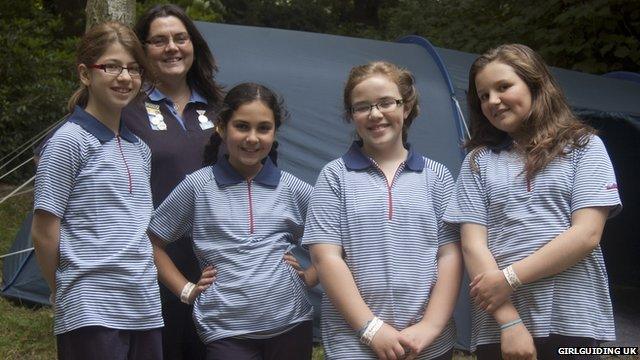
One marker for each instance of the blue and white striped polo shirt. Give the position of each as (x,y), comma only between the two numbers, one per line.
(98,184)
(390,238)
(243,228)
(521,218)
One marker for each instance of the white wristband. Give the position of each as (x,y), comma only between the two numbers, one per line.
(511,277)
(186,292)
(371,330)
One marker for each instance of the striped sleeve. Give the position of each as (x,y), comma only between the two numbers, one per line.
(594,182)
(174,217)
(62,159)
(146,157)
(325,209)
(301,192)
(468,202)
(447,233)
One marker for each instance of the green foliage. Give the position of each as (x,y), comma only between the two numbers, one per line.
(37,74)
(201,10)
(595,36)
(38,38)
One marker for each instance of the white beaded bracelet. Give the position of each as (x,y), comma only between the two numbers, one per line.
(186,292)
(511,277)
(372,328)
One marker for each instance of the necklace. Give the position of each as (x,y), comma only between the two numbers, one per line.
(177,102)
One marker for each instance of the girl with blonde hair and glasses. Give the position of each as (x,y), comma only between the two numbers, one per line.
(390,267)
(92,209)
(532,199)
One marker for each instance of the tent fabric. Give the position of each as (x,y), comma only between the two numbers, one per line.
(623,75)
(21,278)
(309,70)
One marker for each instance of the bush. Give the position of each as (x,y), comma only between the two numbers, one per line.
(37,75)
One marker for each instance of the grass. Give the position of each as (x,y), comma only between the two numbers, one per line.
(27,333)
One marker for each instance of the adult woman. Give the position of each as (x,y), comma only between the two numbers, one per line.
(176,121)
(533,196)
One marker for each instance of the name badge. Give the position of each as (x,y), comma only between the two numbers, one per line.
(203,120)
(156,120)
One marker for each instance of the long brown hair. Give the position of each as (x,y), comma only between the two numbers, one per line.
(95,42)
(551,126)
(401,77)
(204,68)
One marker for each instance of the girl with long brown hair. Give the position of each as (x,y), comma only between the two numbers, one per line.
(532,199)
(92,206)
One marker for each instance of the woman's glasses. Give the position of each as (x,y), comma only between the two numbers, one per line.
(162,41)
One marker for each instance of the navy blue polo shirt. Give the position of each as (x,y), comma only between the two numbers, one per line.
(177,149)
(98,185)
(390,236)
(243,228)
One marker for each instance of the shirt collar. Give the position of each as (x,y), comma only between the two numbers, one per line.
(156,96)
(355,159)
(226,175)
(92,125)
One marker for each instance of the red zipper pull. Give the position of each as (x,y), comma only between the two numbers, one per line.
(250,208)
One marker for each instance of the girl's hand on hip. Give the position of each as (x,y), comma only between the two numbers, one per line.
(309,276)
(516,343)
(206,279)
(489,290)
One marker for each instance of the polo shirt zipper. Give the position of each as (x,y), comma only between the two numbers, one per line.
(389,187)
(250,207)
(125,164)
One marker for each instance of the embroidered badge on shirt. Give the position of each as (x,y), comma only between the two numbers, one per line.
(203,120)
(155,116)
(611,186)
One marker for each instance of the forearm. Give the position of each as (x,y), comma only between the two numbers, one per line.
(45,233)
(445,292)
(478,259)
(168,273)
(566,249)
(47,255)
(338,283)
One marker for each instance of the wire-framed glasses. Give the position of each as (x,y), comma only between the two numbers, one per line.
(161,41)
(116,70)
(384,106)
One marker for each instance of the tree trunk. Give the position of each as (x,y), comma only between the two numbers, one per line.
(99,11)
